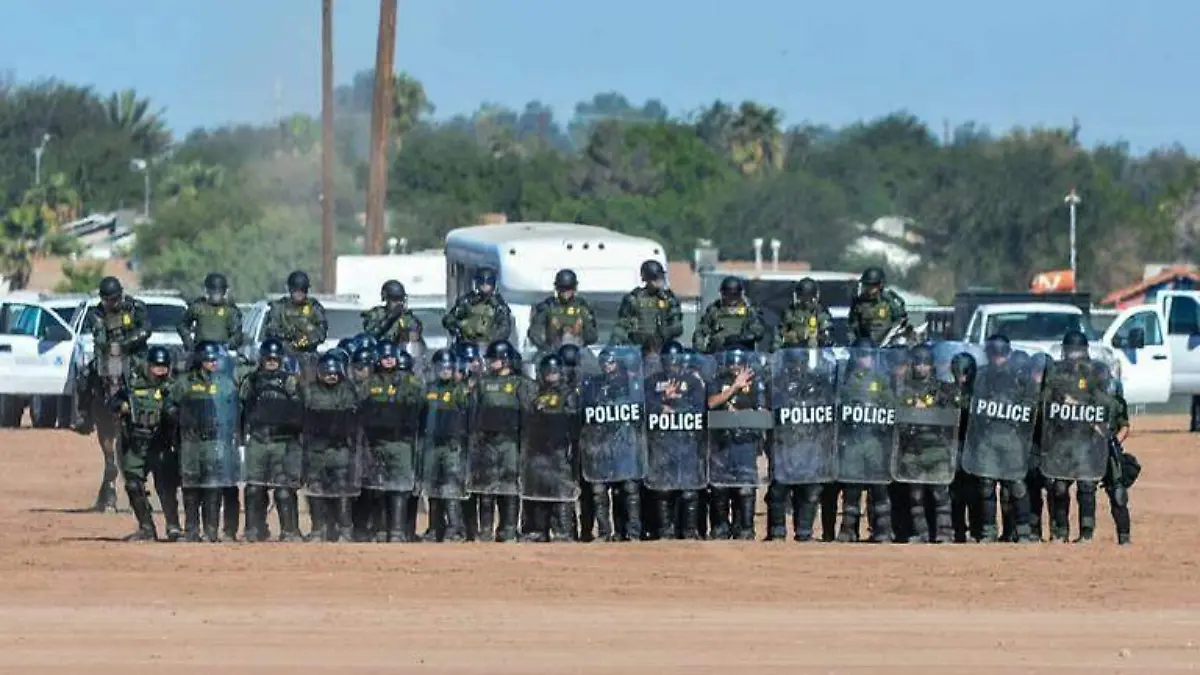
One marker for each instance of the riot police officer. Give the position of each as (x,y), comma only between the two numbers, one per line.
(444,450)
(562,318)
(729,322)
(806,323)
(493,463)
(391,420)
(650,314)
(877,312)
(331,458)
(393,320)
(737,388)
(863,447)
(297,319)
(212,317)
(120,328)
(480,315)
(1123,468)
(550,483)
(617,503)
(676,471)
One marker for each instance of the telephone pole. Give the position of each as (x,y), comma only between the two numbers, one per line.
(381,114)
(1072,199)
(328,269)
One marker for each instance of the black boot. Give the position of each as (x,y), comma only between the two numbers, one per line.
(191,513)
(943,516)
(689,515)
(602,511)
(804,510)
(1034,486)
(140,503)
(455,520)
(587,513)
(851,513)
(414,508)
(777,498)
(318,512)
(510,511)
(747,498)
(1085,492)
(345,518)
(920,524)
(663,503)
(470,518)
(1118,503)
(379,516)
(987,510)
(1060,506)
(718,515)
(106,496)
(255,496)
(829,511)
(361,517)
(537,521)
(397,517)
(231,512)
(632,495)
(168,497)
(881,514)
(486,506)
(288,507)
(562,521)
(210,514)
(437,515)
(1008,524)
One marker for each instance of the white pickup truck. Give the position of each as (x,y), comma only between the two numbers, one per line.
(1135,338)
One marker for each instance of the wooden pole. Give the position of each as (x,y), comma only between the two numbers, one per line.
(328,266)
(381,114)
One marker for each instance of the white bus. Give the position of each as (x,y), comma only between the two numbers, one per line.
(526,257)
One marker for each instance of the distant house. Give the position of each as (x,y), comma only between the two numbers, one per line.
(1158,278)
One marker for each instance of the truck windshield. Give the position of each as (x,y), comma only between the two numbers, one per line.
(1038,326)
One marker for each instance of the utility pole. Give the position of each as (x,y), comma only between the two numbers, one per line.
(328,269)
(1072,199)
(37,159)
(381,114)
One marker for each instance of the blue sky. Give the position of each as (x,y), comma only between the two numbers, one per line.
(1125,69)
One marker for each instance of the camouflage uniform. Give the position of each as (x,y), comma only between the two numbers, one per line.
(725,326)
(804,326)
(874,316)
(208,322)
(479,318)
(865,385)
(731,510)
(400,327)
(201,505)
(443,457)
(274,457)
(331,464)
(499,397)
(301,327)
(648,318)
(1123,470)
(556,321)
(146,442)
(394,402)
(917,392)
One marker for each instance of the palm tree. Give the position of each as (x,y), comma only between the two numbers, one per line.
(31,230)
(127,112)
(185,181)
(409,105)
(756,143)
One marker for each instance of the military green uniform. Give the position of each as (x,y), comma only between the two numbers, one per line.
(208,322)
(556,321)
(731,509)
(804,325)
(301,327)
(933,455)
(479,318)
(493,462)
(443,459)
(398,326)
(332,470)
(550,470)
(274,458)
(208,460)
(1123,471)
(724,326)
(392,410)
(147,448)
(648,318)
(872,387)
(874,316)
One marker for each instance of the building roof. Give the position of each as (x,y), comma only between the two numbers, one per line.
(1134,292)
(47,272)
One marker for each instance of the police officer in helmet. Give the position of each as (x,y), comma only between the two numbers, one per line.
(729,322)
(877,309)
(297,319)
(480,315)
(562,318)
(650,314)
(393,320)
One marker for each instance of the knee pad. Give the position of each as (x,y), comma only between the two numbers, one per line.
(1061,489)
(135,487)
(283,494)
(1086,486)
(1017,490)
(1118,496)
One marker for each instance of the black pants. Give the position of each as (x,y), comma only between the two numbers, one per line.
(965,507)
(550,521)
(1041,500)
(803,501)
(617,508)
(1012,491)
(487,507)
(1118,505)
(879,506)
(1085,494)
(930,500)
(731,512)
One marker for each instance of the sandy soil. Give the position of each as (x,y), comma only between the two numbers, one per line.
(74,600)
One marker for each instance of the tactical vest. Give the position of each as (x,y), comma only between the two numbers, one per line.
(480,319)
(145,409)
(732,318)
(499,392)
(552,400)
(801,326)
(648,307)
(117,323)
(300,318)
(212,322)
(388,413)
(875,316)
(272,409)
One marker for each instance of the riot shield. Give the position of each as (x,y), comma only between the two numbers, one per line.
(676,424)
(804,403)
(332,453)
(1077,412)
(391,431)
(866,419)
(444,449)
(416,349)
(208,433)
(612,433)
(274,454)
(928,412)
(1001,418)
(945,351)
(737,428)
(494,454)
(547,467)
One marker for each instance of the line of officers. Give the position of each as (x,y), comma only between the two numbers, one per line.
(615,447)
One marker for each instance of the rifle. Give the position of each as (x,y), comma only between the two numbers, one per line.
(895,334)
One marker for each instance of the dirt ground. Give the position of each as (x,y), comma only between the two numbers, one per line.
(73,599)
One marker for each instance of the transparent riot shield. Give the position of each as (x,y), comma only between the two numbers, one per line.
(676,424)
(391,432)
(804,402)
(928,411)
(494,456)
(866,418)
(208,432)
(1077,414)
(738,425)
(945,351)
(612,411)
(547,468)
(444,442)
(273,420)
(416,349)
(332,453)
(1001,417)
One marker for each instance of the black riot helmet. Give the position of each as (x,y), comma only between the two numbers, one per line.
(608,360)
(673,355)
(484,276)
(997,348)
(731,289)
(499,350)
(392,291)
(443,363)
(386,349)
(652,270)
(363,358)
(110,289)
(736,357)
(1075,345)
(330,365)
(550,365)
(215,286)
(962,367)
(298,282)
(342,354)
(404,362)
(806,290)
(158,355)
(208,352)
(1020,361)
(1038,363)
(570,355)
(271,348)
(565,280)
(872,276)
(921,358)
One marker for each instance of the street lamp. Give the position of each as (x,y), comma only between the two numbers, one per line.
(37,159)
(142,165)
(1072,199)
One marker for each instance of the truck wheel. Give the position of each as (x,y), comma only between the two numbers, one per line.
(43,411)
(11,408)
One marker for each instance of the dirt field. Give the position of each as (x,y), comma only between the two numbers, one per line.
(72,602)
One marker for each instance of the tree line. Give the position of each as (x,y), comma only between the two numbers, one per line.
(979,208)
